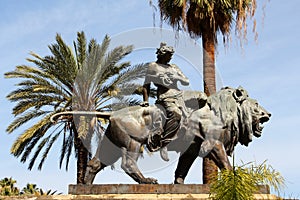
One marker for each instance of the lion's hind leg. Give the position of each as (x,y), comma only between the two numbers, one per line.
(129,163)
(102,159)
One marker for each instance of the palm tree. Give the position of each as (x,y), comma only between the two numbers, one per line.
(7,187)
(205,18)
(83,80)
(30,189)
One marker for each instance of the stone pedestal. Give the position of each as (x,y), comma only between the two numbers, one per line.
(150,192)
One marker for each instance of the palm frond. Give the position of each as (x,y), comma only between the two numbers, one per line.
(39,148)
(36,102)
(66,149)
(133,73)
(55,71)
(120,102)
(69,150)
(35,78)
(200,16)
(63,65)
(17,122)
(266,174)
(28,149)
(37,130)
(45,154)
(109,67)
(80,49)
(127,76)
(23,71)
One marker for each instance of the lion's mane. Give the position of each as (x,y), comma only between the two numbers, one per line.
(227,105)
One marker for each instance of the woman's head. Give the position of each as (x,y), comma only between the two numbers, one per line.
(164,53)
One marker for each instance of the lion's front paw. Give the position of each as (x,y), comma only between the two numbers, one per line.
(149,181)
(179,181)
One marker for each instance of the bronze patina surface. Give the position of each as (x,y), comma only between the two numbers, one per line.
(184,121)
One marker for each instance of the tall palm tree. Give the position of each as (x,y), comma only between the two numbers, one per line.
(205,18)
(81,80)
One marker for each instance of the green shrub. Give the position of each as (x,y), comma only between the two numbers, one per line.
(7,187)
(242,182)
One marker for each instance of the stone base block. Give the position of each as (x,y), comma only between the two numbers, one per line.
(145,192)
(146,189)
(143,197)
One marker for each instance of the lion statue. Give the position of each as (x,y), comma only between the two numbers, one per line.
(236,117)
(212,128)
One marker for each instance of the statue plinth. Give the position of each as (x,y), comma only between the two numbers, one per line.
(98,189)
(150,192)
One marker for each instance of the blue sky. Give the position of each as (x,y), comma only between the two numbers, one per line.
(268,69)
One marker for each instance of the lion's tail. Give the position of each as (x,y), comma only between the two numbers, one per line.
(105,115)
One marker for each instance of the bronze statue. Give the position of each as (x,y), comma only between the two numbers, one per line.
(235,119)
(188,122)
(213,130)
(165,77)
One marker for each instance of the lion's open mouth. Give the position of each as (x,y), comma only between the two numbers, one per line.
(258,127)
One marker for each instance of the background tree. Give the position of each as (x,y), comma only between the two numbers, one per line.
(205,19)
(7,187)
(83,80)
(30,189)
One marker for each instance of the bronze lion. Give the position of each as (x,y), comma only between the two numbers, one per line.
(211,128)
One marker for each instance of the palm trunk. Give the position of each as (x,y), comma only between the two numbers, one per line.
(208,44)
(209,168)
(82,159)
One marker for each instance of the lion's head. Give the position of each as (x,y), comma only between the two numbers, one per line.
(241,116)
(252,116)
